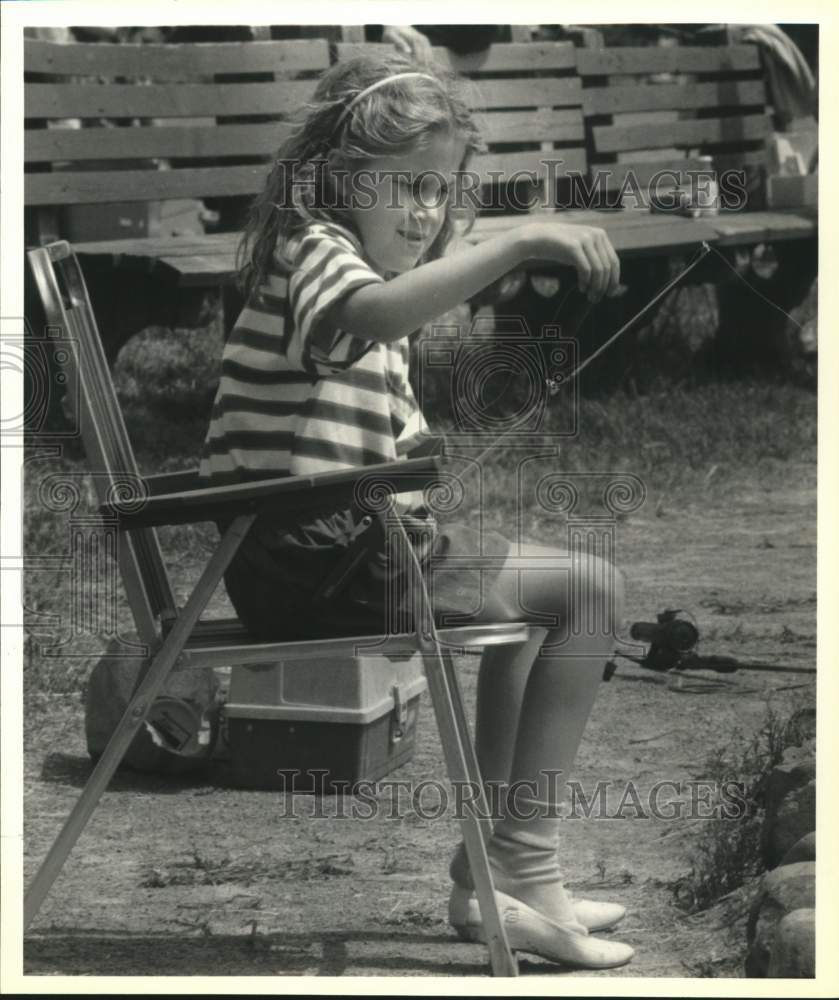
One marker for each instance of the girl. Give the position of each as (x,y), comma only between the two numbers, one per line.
(342,261)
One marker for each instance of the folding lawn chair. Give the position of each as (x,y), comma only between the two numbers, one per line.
(178,637)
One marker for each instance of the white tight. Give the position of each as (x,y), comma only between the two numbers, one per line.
(532,709)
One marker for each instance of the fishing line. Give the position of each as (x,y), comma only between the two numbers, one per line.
(703,252)
(553,383)
(757,292)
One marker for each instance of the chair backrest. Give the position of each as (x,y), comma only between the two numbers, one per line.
(528,101)
(116,476)
(657,108)
(113,112)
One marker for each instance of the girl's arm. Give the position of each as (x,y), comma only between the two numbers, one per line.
(387,312)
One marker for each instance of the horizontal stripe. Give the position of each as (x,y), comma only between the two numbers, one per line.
(347,435)
(331,390)
(352,416)
(357,378)
(337,451)
(263,313)
(251,440)
(233,403)
(256,376)
(256,340)
(260,321)
(297,392)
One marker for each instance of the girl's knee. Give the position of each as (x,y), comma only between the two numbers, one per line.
(559,581)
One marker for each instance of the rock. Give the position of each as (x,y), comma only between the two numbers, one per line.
(796,771)
(795,817)
(783,890)
(794,949)
(802,850)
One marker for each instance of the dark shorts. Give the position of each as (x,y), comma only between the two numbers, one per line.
(277,570)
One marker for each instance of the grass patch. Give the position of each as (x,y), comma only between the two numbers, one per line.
(728,852)
(202,869)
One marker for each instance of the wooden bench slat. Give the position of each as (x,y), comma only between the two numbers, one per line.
(537,93)
(667,96)
(114,100)
(74,100)
(699,131)
(734,228)
(667,59)
(572,161)
(80,187)
(502,57)
(126,142)
(202,270)
(174,62)
(726,59)
(538,125)
(644,234)
(197,141)
(155,246)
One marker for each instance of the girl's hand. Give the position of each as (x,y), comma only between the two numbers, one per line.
(585,248)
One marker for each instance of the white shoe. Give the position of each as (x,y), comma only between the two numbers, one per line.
(527,930)
(465,914)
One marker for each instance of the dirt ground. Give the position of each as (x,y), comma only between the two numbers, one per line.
(190,877)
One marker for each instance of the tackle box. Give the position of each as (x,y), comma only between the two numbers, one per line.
(353,717)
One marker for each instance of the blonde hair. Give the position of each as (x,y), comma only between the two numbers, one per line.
(341,118)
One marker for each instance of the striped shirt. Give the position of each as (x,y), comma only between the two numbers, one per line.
(298,396)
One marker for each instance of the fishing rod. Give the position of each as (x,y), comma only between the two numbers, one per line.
(672,640)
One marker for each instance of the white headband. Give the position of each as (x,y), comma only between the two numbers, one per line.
(375,86)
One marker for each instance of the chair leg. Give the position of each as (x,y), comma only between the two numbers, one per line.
(455,739)
(468,744)
(136,712)
(461,763)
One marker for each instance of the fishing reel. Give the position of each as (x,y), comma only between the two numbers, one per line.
(672,639)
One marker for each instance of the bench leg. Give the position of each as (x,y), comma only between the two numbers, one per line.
(136,712)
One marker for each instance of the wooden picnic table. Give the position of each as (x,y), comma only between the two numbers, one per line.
(209,260)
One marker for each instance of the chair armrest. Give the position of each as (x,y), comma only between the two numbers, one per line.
(291,495)
(173,482)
